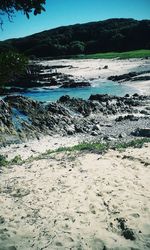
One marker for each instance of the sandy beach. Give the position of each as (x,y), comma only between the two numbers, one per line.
(93,69)
(77,201)
(74,200)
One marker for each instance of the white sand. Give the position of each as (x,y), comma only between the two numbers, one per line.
(93,69)
(143,87)
(35,146)
(72,202)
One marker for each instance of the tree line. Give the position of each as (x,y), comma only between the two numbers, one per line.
(103,36)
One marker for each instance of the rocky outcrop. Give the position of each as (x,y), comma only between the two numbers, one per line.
(73,84)
(142,132)
(131,76)
(37,75)
(22,118)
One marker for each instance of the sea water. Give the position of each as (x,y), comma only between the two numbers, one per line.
(53,94)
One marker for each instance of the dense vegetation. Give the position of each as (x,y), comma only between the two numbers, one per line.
(103,36)
(12,65)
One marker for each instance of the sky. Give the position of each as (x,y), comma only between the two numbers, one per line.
(66,12)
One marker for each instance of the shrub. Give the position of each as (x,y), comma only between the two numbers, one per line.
(12,65)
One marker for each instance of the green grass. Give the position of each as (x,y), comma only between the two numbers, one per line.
(95,147)
(119,55)
(138,143)
(3,161)
(15,161)
(85,146)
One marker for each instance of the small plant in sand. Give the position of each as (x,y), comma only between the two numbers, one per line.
(3,161)
(138,143)
(16,160)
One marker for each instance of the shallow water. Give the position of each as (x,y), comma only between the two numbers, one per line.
(54,94)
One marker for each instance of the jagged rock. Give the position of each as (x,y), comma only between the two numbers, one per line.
(96,127)
(127,117)
(73,84)
(22,118)
(94,133)
(64,98)
(127,95)
(57,109)
(136,95)
(101,97)
(143,132)
(144,112)
(131,76)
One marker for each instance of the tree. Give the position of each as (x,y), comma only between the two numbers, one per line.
(76,47)
(12,65)
(9,7)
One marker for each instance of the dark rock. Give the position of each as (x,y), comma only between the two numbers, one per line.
(77,105)
(144,112)
(132,102)
(22,118)
(135,95)
(96,127)
(141,78)
(94,133)
(132,76)
(73,84)
(143,132)
(70,130)
(128,234)
(101,97)
(64,98)
(127,117)
(56,108)
(105,67)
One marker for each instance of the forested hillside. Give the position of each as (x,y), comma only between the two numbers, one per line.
(103,36)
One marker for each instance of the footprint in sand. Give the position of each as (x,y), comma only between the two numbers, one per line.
(92,209)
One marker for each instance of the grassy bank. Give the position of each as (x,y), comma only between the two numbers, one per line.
(94,147)
(119,55)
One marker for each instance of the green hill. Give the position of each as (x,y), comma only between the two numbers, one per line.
(96,37)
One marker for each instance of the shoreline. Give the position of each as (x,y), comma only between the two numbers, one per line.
(74,199)
(32,127)
(90,71)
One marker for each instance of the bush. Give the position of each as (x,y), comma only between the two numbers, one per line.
(12,65)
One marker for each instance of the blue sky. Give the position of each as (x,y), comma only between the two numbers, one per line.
(65,12)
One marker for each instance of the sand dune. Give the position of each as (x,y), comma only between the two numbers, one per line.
(77,201)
